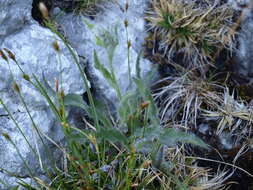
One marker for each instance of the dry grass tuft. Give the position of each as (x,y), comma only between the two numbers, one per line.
(233,116)
(194,30)
(181,98)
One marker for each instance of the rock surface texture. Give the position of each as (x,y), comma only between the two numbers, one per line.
(13,16)
(83,41)
(243,55)
(32,46)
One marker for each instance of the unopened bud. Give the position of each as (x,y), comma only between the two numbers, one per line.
(128,44)
(3,55)
(56,85)
(126,23)
(16,87)
(144,105)
(126,5)
(43,9)
(56,46)
(6,136)
(65,125)
(10,54)
(62,94)
(26,77)
(61,111)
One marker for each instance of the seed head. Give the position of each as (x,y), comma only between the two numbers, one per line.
(126,6)
(144,105)
(62,94)
(128,44)
(43,9)
(56,46)
(6,136)
(10,54)
(26,77)
(56,85)
(61,111)
(16,87)
(65,125)
(3,55)
(126,23)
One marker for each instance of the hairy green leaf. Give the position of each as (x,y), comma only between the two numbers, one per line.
(113,135)
(171,137)
(75,100)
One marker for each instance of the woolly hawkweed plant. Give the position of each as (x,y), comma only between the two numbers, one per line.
(126,152)
(192,30)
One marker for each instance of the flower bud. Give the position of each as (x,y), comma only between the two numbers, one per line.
(126,23)
(43,9)
(144,105)
(128,44)
(10,54)
(26,77)
(126,6)
(56,46)
(56,85)
(6,136)
(62,95)
(3,55)
(16,87)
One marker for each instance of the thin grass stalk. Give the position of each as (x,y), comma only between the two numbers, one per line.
(128,45)
(44,167)
(94,142)
(19,66)
(20,155)
(60,69)
(16,124)
(61,118)
(84,77)
(39,87)
(130,167)
(3,183)
(145,121)
(36,129)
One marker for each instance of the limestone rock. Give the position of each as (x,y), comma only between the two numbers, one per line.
(244,56)
(83,41)
(32,46)
(14,15)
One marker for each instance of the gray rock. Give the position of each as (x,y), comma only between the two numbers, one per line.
(34,52)
(32,46)
(244,56)
(239,4)
(227,141)
(14,15)
(83,41)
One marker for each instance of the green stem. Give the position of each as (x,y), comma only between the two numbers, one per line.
(83,75)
